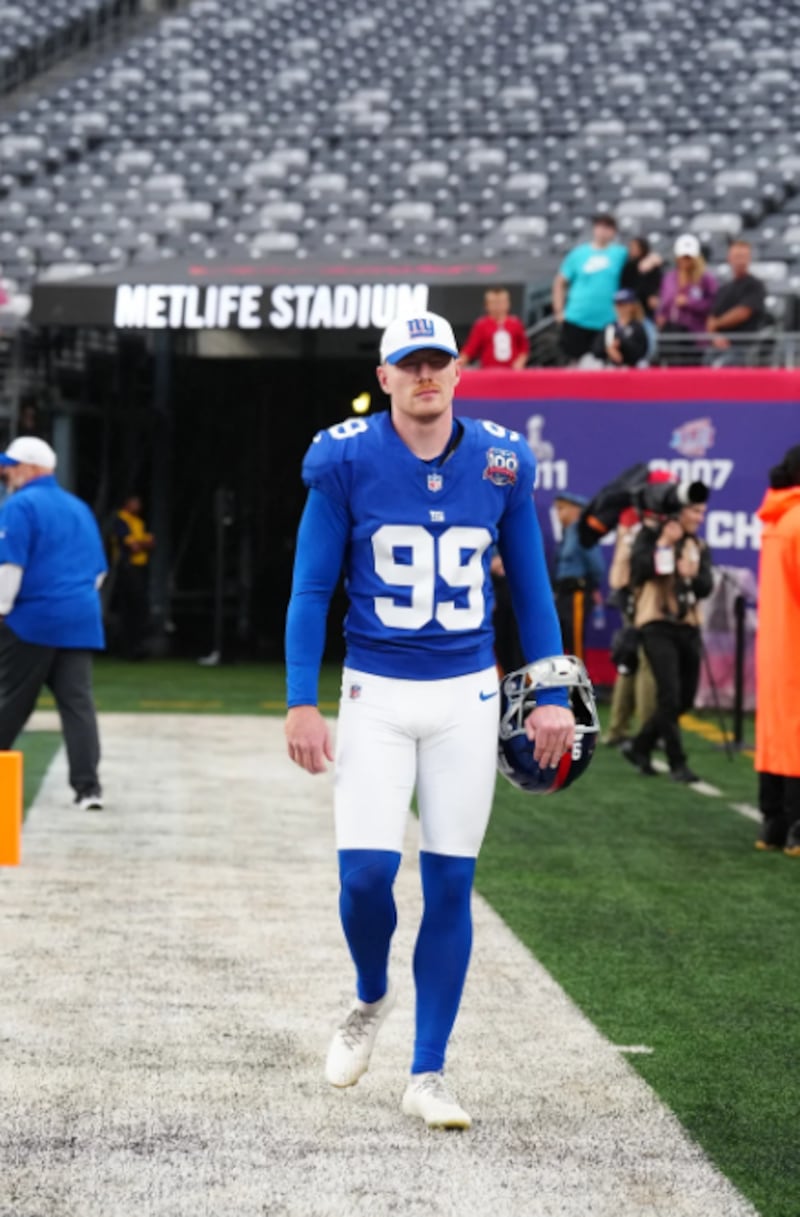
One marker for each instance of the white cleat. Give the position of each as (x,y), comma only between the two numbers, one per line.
(351,1046)
(427,1096)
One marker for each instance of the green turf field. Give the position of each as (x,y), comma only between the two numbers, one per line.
(181,686)
(645,900)
(650,906)
(38,749)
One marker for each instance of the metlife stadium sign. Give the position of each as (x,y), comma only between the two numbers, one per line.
(280,298)
(305,306)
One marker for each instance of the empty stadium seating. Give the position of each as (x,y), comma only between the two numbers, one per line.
(269,129)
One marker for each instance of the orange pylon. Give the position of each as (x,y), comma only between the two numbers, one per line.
(10,808)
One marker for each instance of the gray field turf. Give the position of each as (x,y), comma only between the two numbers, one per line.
(172,969)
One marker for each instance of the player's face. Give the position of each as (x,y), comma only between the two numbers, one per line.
(422,385)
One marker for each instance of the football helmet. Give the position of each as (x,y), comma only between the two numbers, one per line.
(518,696)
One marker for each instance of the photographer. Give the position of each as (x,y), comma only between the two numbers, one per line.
(670,573)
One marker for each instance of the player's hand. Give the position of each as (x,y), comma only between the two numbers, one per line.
(308,738)
(552,730)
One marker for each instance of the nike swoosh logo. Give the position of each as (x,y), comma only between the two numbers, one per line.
(487,696)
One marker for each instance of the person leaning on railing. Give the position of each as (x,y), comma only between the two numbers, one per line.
(739,308)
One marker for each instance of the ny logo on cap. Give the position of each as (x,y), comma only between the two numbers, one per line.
(421,327)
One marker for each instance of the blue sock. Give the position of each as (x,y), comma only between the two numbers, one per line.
(441,956)
(368,913)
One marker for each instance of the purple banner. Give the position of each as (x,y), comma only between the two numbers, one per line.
(582,443)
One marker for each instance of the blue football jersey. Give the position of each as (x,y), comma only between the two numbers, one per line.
(421,538)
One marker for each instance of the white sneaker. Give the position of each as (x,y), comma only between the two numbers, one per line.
(427,1096)
(351,1046)
(90,802)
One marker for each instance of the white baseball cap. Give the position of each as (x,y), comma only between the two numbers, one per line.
(29,450)
(687,246)
(425,332)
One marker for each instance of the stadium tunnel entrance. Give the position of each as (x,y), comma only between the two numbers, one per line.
(214,447)
(200,388)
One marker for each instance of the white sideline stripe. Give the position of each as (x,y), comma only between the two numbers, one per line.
(744,809)
(712,792)
(701,787)
(172,970)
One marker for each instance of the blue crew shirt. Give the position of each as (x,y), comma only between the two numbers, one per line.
(574,561)
(415,540)
(54,537)
(593,276)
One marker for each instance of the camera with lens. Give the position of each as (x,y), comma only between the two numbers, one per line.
(641,488)
(666,500)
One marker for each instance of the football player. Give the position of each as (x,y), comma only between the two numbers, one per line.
(411,502)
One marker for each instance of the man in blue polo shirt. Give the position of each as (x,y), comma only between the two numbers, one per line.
(584,287)
(52,565)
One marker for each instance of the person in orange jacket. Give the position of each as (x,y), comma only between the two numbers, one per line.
(777,672)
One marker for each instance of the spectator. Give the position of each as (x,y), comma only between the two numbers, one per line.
(132,546)
(634,688)
(670,573)
(497,340)
(643,273)
(583,289)
(579,574)
(623,344)
(686,296)
(778,708)
(51,567)
(739,306)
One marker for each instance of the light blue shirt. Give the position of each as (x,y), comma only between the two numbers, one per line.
(576,562)
(593,276)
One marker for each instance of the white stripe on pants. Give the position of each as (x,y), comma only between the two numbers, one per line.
(439,736)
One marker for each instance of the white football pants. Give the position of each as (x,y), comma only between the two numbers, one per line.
(438,736)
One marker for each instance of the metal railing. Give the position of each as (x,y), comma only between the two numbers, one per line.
(767,348)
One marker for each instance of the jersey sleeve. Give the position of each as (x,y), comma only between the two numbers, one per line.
(522,489)
(15,533)
(321,543)
(325,467)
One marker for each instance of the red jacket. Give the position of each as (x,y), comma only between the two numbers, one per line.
(496,344)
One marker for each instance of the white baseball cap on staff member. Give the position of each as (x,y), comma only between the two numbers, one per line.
(425,332)
(29,450)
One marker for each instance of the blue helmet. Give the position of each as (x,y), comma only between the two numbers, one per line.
(518,693)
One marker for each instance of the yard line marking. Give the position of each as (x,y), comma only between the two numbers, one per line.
(701,787)
(206,971)
(635,1049)
(745,809)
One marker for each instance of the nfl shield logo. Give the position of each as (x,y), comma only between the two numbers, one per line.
(355,692)
(434,481)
